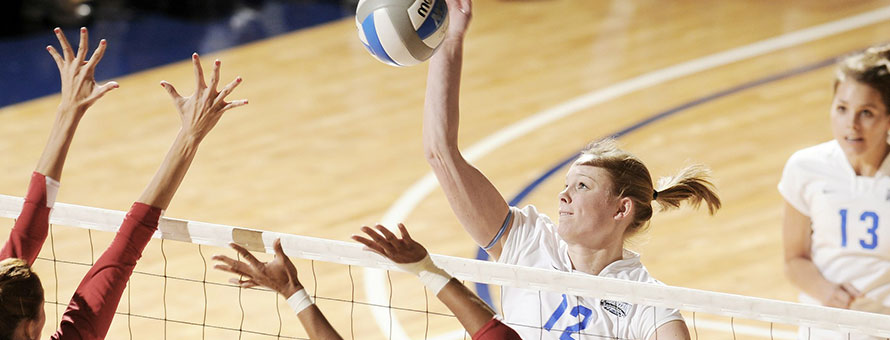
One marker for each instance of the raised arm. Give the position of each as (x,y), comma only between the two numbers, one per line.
(79,92)
(799,267)
(476,317)
(479,207)
(199,114)
(280,275)
(94,302)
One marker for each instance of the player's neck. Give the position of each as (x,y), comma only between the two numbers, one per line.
(868,164)
(593,261)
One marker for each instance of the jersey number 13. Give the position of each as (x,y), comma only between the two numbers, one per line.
(870,220)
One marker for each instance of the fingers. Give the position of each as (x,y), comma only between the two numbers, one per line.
(84,44)
(228,90)
(370,245)
(199,72)
(97,56)
(279,251)
(374,235)
(404,232)
(234,104)
(171,90)
(214,78)
(229,265)
(56,57)
(466,7)
(247,255)
(851,290)
(244,283)
(387,234)
(101,91)
(66,48)
(288,264)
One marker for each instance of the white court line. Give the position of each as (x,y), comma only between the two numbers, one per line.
(375,286)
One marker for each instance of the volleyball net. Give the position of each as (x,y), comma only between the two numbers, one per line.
(175,293)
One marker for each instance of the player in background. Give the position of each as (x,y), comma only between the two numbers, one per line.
(90,312)
(837,198)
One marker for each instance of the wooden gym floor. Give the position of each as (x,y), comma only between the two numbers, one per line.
(332,138)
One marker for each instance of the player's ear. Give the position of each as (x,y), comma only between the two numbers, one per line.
(624,209)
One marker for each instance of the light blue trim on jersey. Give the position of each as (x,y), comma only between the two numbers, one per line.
(500,232)
(374,44)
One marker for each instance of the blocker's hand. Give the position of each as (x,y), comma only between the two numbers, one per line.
(399,250)
(202,110)
(280,274)
(79,88)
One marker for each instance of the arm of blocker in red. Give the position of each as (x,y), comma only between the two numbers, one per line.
(31,227)
(496,330)
(92,308)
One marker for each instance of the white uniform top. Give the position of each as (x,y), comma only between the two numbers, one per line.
(533,242)
(850,215)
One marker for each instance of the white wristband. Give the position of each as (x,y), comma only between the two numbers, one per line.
(299,301)
(52,190)
(430,274)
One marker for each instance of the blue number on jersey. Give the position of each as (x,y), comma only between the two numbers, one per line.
(872,230)
(575,312)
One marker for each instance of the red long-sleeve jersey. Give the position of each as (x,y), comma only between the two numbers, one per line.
(92,307)
(494,329)
(31,227)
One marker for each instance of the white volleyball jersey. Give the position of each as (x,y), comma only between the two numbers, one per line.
(533,242)
(850,218)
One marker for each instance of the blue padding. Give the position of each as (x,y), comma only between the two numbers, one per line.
(374,44)
(434,20)
(147,39)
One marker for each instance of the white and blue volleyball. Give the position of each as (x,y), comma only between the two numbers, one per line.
(401,32)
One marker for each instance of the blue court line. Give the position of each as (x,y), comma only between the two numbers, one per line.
(483,290)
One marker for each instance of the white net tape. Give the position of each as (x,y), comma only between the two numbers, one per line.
(311,248)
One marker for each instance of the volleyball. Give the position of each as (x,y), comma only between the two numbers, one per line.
(401,32)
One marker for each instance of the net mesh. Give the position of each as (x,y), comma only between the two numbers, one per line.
(175,293)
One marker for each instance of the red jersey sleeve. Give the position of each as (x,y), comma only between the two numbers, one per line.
(496,330)
(92,308)
(31,227)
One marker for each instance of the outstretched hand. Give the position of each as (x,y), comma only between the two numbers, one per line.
(280,274)
(201,111)
(459,14)
(79,88)
(385,243)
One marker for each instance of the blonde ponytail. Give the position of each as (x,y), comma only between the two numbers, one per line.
(692,185)
(630,178)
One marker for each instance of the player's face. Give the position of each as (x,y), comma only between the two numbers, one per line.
(37,327)
(587,208)
(859,119)
(41,321)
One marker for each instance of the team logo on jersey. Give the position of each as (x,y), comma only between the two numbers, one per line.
(618,308)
